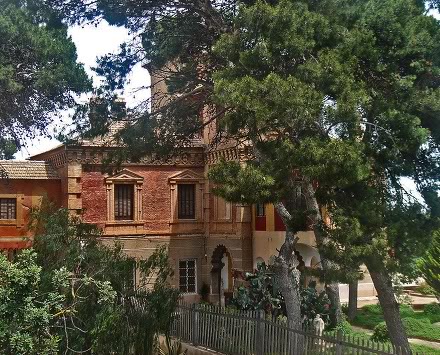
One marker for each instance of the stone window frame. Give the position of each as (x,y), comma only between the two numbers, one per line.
(19,215)
(187,177)
(195,275)
(129,178)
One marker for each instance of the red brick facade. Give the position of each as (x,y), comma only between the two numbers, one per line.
(85,188)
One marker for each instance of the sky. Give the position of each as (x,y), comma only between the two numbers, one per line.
(92,42)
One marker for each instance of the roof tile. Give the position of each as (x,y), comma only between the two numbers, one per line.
(35,170)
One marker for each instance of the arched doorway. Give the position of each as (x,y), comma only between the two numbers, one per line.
(221,273)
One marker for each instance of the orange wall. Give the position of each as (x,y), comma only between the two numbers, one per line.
(29,194)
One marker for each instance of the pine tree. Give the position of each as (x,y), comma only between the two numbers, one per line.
(429,265)
(38,72)
(345,93)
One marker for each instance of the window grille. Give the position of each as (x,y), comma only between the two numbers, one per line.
(124,202)
(186,201)
(8,208)
(187,276)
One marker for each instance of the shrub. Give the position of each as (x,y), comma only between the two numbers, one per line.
(421,328)
(380,333)
(406,310)
(344,327)
(432,309)
(372,308)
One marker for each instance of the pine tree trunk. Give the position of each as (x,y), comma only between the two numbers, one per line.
(286,272)
(332,288)
(288,276)
(352,299)
(383,284)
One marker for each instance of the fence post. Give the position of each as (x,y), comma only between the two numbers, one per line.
(195,325)
(339,342)
(259,334)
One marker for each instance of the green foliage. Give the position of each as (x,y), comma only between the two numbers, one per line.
(372,308)
(314,302)
(432,311)
(380,333)
(262,293)
(421,328)
(417,324)
(38,71)
(73,293)
(416,328)
(406,310)
(345,93)
(344,327)
(432,308)
(28,311)
(259,293)
(429,264)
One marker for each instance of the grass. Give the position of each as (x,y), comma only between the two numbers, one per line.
(417,324)
(416,348)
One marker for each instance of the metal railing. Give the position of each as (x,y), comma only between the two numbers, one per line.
(249,332)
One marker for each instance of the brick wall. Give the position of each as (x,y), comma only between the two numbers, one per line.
(156,198)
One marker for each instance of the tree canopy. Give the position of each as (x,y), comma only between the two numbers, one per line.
(345,93)
(71,293)
(39,75)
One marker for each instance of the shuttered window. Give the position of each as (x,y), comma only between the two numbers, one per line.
(186,201)
(187,276)
(124,202)
(8,208)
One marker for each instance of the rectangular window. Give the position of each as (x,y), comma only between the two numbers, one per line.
(186,201)
(187,276)
(261,212)
(124,202)
(8,208)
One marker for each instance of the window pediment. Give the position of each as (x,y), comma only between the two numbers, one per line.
(125,176)
(186,175)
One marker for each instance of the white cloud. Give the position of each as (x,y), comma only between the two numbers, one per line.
(92,42)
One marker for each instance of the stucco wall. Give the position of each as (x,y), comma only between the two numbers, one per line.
(29,194)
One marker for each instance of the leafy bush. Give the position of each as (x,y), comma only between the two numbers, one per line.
(314,303)
(73,293)
(261,293)
(421,328)
(432,312)
(344,327)
(429,264)
(432,309)
(380,333)
(406,311)
(372,308)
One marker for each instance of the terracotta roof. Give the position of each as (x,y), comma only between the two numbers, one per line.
(35,170)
